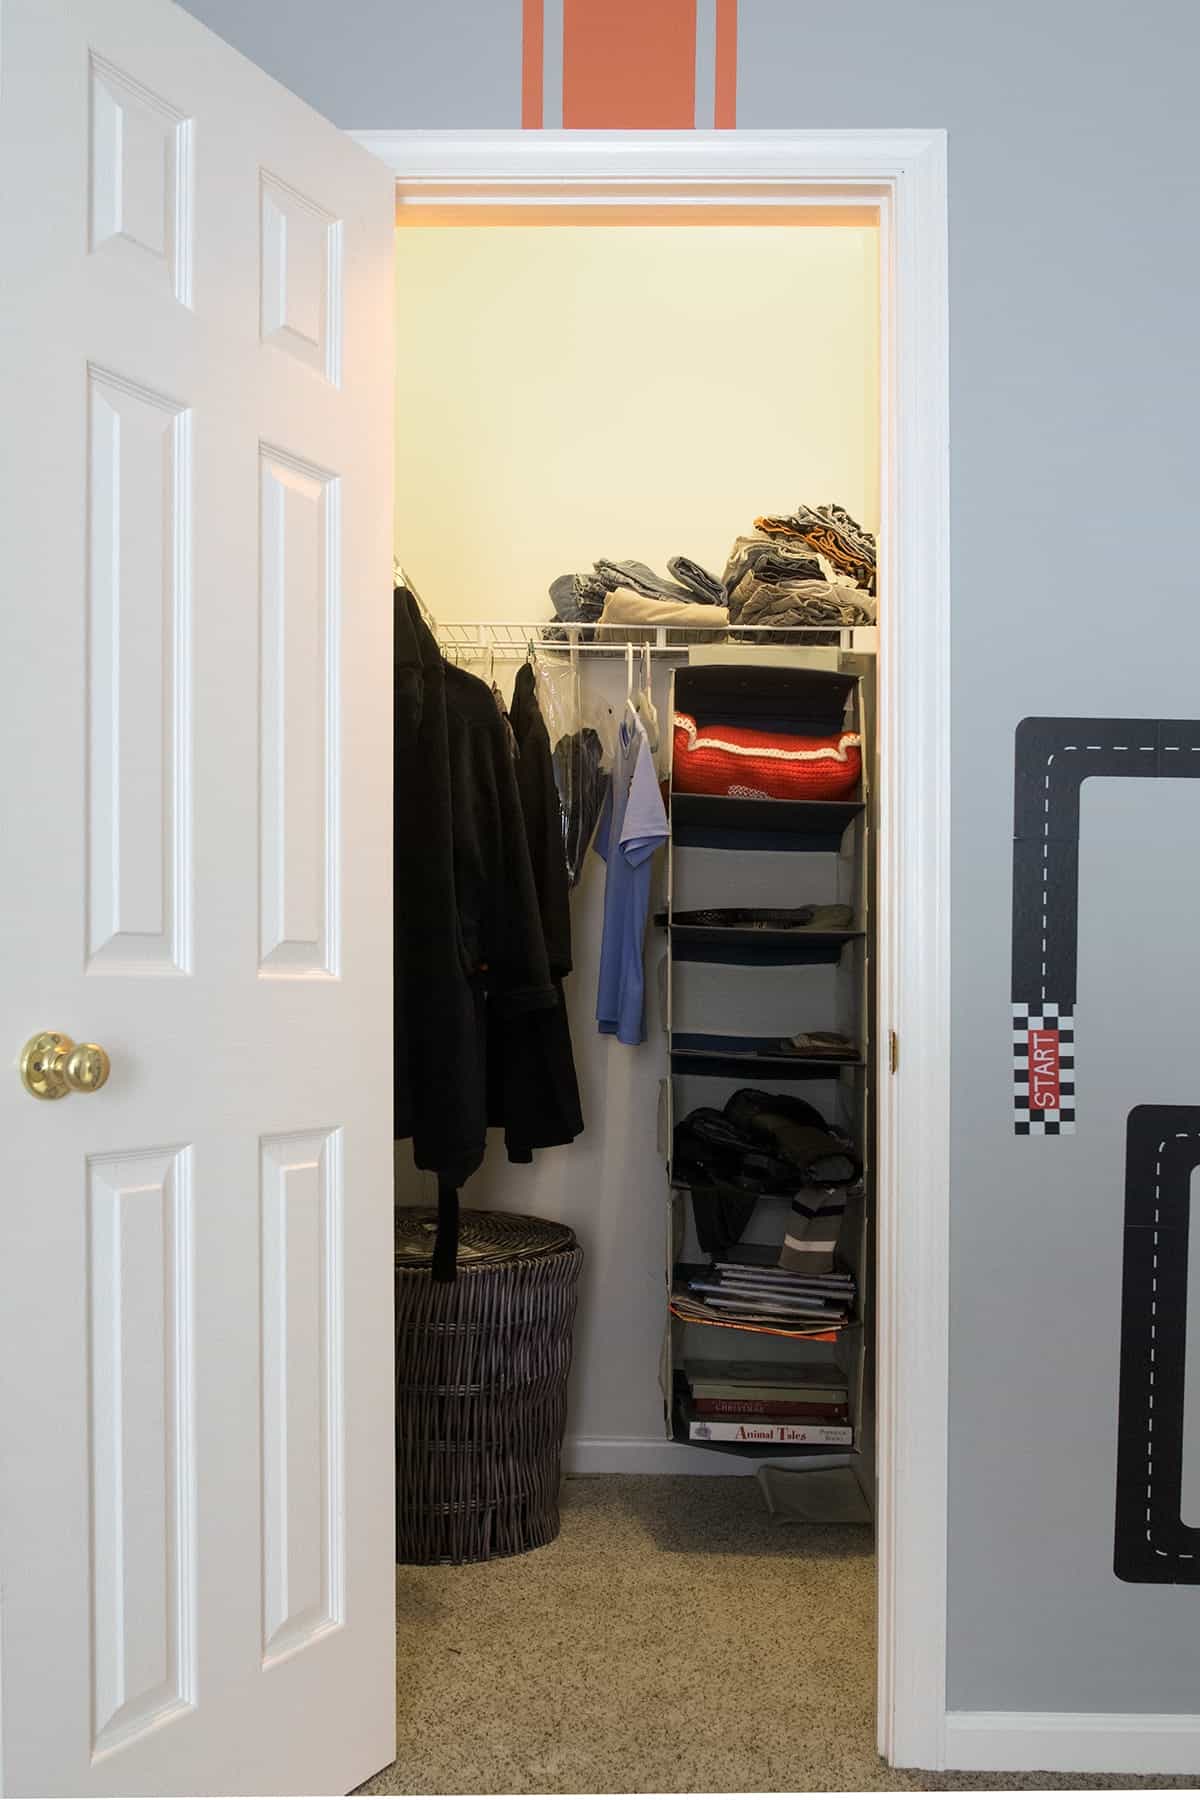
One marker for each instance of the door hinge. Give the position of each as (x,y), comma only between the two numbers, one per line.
(893,1052)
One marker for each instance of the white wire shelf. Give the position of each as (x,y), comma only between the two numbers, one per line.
(510,641)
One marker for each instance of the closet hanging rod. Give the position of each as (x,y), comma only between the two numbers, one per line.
(511,640)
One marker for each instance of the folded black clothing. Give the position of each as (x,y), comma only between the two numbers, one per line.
(722,1212)
(709,1147)
(797,1134)
(770,918)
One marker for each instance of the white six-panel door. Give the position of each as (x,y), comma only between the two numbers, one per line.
(196,1586)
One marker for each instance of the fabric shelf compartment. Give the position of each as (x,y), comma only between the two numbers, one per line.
(750,1056)
(717,822)
(681,1420)
(812,701)
(747,946)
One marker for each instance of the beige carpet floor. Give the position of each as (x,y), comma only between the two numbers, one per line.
(673,1640)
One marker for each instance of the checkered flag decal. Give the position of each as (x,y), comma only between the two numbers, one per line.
(1059,1050)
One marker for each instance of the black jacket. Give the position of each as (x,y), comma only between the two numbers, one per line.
(468,932)
(533,1089)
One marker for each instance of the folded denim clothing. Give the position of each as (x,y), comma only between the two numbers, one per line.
(816,1044)
(578,599)
(831,531)
(780,557)
(770,918)
(625,607)
(641,579)
(697,579)
(755,602)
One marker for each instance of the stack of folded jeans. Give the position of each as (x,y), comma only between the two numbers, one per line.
(766,1146)
(580,599)
(782,577)
(831,533)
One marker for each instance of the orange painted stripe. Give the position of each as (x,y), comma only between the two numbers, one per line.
(532,29)
(629,65)
(725,111)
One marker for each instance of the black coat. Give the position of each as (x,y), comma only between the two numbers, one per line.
(468,931)
(533,1089)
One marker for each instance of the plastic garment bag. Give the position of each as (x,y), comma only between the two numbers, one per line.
(583,742)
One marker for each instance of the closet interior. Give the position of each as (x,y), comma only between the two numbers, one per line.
(638,481)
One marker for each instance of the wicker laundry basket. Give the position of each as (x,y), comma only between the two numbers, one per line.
(481,1385)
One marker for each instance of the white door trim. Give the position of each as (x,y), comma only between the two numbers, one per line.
(904,173)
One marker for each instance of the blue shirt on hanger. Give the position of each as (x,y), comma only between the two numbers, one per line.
(632,826)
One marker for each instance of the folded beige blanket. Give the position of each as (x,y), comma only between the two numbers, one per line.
(624,607)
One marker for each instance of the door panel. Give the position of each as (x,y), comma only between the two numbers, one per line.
(139,489)
(141,176)
(303,1543)
(301,278)
(300,561)
(143,1473)
(196,1567)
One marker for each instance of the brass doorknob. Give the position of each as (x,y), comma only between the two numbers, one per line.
(52,1066)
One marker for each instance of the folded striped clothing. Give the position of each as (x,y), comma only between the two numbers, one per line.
(810,1238)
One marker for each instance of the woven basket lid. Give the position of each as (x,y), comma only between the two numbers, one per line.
(483,1237)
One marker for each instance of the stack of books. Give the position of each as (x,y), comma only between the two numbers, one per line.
(768,1403)
(778,1296)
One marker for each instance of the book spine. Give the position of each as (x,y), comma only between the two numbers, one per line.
(730,1431)
(795,1411)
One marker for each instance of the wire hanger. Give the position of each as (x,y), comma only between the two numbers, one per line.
(400,578)
(631,711)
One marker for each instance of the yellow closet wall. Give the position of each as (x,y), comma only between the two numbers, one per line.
(569,392)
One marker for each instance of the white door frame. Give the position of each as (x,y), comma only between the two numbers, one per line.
(903,174)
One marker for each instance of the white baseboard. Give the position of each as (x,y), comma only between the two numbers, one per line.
(648,1456)
(1075,1743)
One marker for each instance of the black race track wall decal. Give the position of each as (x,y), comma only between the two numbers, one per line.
(1162,1148)
(1054,757)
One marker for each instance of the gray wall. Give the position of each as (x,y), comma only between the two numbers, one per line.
(1075,396)
(380,63)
